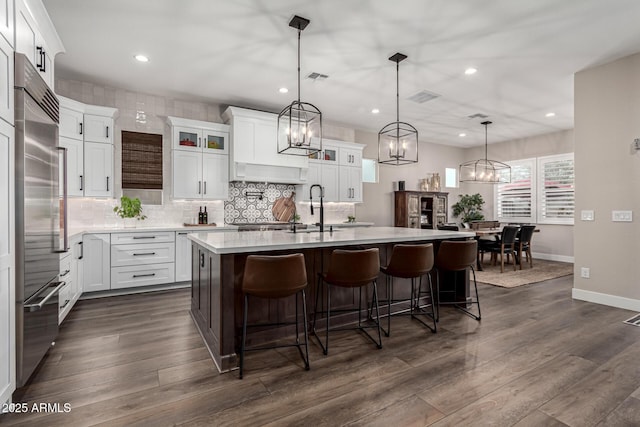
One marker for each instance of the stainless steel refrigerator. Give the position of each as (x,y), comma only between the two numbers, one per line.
(40,217)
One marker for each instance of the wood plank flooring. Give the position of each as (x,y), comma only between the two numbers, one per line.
(537,358)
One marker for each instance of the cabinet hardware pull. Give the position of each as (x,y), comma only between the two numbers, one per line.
(80,182)
(65,273)
(143,237)
(182,234)
(42,65)
(199,187)
(81,250)
(66,303)
(144,275)
(199,141)
(80,128)
(107,183)
(107,131)
(145,253)
(201,259)
(205,187)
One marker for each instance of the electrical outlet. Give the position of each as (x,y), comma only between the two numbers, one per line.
(584,272)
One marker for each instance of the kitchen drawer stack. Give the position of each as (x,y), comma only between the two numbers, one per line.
(142,259)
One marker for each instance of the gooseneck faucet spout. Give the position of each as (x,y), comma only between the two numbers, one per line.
(321,207)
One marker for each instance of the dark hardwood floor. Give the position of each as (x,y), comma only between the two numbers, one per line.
(537,358)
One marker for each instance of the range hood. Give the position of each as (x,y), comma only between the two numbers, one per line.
(254,153)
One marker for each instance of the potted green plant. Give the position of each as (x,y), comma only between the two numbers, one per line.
(129,209)
(469,208)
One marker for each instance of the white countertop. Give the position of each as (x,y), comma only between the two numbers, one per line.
(77,231)
(260,241)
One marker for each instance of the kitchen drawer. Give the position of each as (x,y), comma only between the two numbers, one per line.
(142,275)
(142,253)
(142,237)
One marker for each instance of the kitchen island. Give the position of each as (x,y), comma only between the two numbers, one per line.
(218,264)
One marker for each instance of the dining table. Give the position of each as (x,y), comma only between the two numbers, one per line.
(493,231)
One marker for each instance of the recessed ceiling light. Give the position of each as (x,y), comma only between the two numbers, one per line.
(462,135)
(375,111)
(283,90)
(550,115)
(469,71)
(141,58)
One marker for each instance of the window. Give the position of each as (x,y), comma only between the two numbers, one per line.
(515,200)
(369,170)
(556,192)
(541,191)
(451,177)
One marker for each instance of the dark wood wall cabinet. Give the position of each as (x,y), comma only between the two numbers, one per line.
(420,209)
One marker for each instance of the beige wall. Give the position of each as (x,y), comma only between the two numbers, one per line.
(378,203)
(607,120)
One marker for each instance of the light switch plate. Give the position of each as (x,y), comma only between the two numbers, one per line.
(622,216)
(587,215)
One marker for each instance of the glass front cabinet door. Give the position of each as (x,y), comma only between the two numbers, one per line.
(214,141)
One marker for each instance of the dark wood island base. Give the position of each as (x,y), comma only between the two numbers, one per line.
(216,297)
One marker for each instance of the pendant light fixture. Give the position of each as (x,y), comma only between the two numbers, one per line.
(484,170)
(398,141)
(300,123)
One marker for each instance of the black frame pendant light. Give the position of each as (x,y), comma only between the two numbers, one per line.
(300,123)
(485,171)
(398,141)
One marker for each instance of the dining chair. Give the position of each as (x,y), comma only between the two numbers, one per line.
(504,246)
(523,243)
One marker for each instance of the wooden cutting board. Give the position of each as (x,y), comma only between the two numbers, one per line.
(284,208)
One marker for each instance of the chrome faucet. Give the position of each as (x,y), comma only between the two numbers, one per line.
(321,207)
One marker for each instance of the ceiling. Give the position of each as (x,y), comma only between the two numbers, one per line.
(241,52)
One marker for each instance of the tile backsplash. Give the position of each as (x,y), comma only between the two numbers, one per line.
(90,213)
(251,209)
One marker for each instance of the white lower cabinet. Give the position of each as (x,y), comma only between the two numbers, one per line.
(183,257)
(142,275)
(148,261)
(71,272)
(97,262)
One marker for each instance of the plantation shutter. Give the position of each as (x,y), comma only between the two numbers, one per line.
(515,201)
(556,190)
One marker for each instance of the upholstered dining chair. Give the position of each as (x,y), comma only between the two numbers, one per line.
(523,243)
(504,246)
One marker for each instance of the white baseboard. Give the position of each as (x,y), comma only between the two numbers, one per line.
(552,257)
(606,299)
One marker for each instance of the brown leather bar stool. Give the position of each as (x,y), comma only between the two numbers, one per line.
(275,277)
(457,256)
(411,262)
(349,269)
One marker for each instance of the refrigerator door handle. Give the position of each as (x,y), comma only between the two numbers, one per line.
(64,201)
(35,307)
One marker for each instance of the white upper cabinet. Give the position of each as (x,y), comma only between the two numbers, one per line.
(6,21)
(200,164)
(98,166)
(6,81)
(254,149)
(98,128)
(71,125)
(86,131)
(351,156)
(350,184)
(194,135)
(75,166)
(36,37)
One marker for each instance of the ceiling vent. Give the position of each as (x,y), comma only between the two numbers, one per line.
(423,96)
(317,77)
(478,116)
